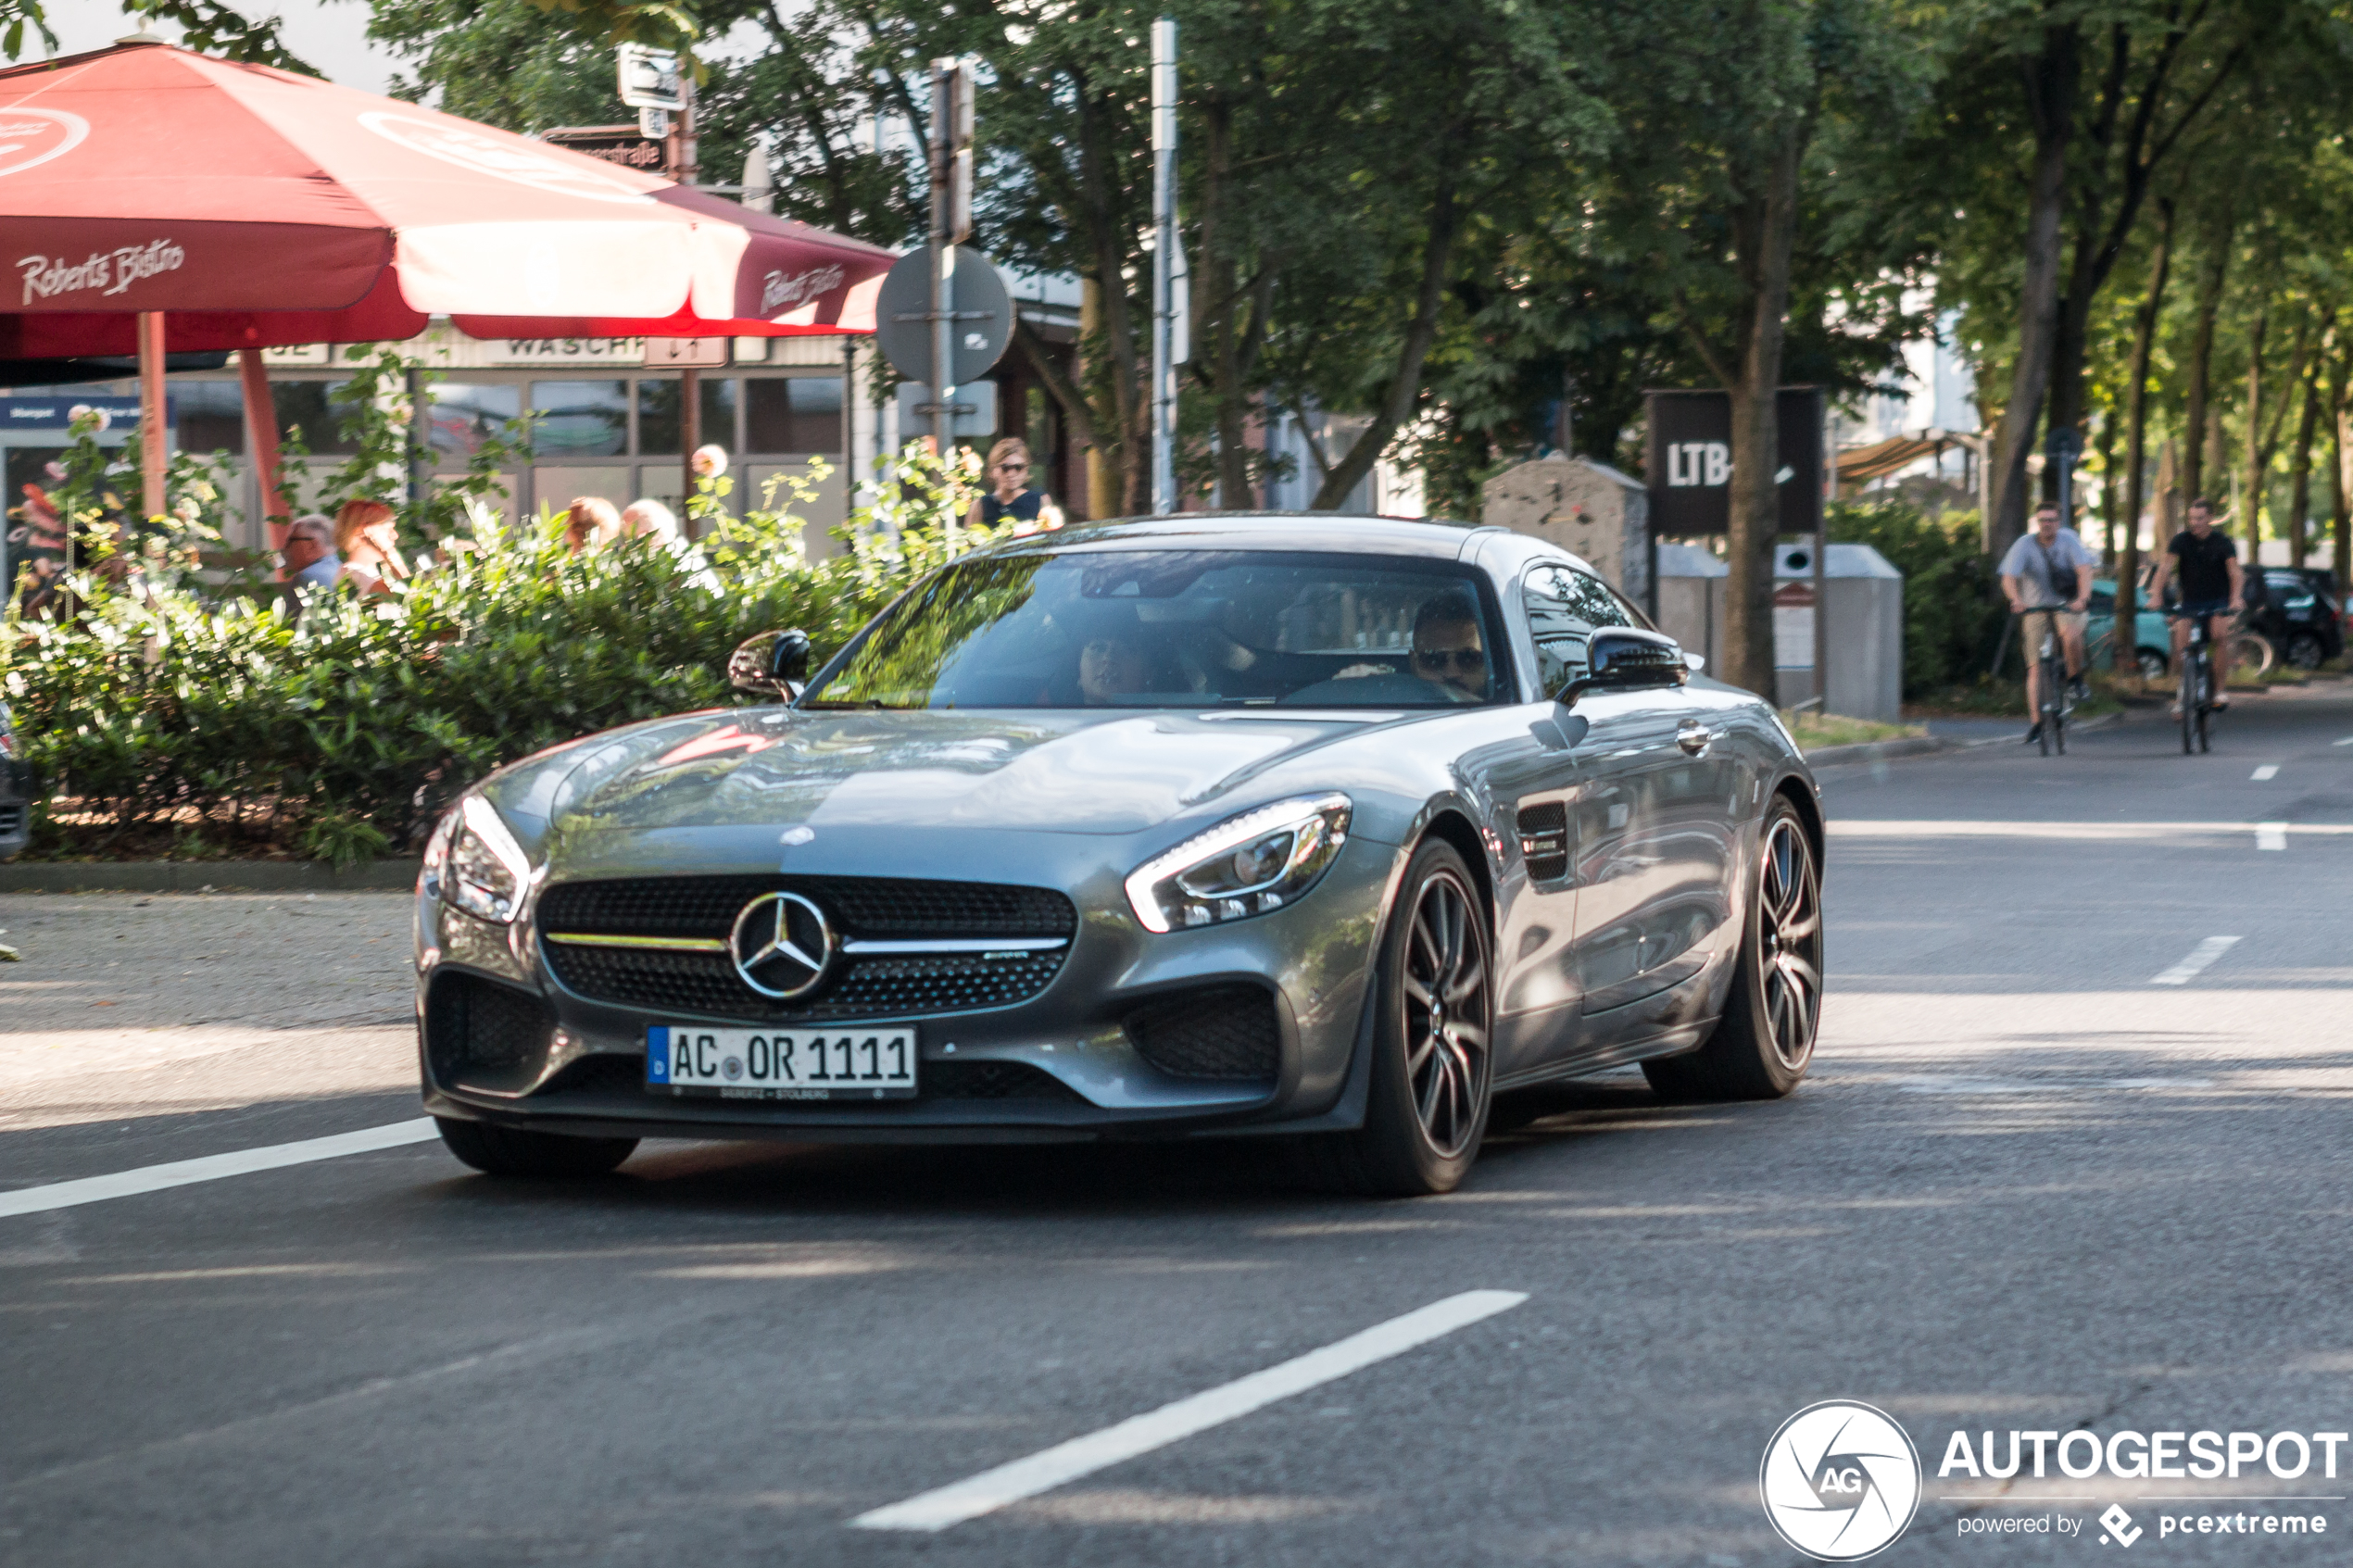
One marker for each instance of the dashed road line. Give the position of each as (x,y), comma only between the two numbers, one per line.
(2270,835)
(212,1168)
(2269,770)
(2199,957)
(1042,1471)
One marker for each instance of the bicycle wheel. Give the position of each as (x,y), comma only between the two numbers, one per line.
(2187,700)
(2054,704)
(2253,654)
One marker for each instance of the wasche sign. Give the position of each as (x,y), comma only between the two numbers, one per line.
(623,144)
(1689,464)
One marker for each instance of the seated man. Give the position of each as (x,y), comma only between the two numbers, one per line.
(1111,667)
(1448,648)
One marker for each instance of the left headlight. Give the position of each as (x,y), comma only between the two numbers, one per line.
(473,863)
(1247,865)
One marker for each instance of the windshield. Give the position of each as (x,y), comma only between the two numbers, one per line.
(1177,629)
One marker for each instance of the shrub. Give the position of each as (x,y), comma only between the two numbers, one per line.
(170,713)
(1953,607)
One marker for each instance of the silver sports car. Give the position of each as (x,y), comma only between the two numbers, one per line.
(1325,829)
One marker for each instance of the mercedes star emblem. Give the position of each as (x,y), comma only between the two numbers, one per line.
(782,945)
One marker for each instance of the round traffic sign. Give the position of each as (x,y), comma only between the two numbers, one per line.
(983,323)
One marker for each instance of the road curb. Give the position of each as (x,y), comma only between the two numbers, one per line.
(1880,750)
(201,876)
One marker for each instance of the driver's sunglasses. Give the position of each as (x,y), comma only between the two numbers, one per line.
(1463,660)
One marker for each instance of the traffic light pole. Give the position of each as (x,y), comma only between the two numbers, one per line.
(1163,396)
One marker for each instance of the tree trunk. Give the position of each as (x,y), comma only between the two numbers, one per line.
(2213,268)
(1130,411)
(2299,490)
(2341,454)
(1405,381)
(2108,492)
(1764,237)
(2051,81)
(1216,302)
(2251,525)
(2136,386)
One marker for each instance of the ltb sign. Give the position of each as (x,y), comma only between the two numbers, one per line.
(1689,467)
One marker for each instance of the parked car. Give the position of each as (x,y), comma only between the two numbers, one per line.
(1326,828)
(2299,614)
(2153,636)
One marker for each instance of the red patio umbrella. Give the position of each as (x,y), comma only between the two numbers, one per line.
(158,199)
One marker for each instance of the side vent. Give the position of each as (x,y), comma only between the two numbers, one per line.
(1544,841)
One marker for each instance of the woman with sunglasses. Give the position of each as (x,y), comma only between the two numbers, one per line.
(1011,498)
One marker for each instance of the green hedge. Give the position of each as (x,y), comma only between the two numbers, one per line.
(195,725)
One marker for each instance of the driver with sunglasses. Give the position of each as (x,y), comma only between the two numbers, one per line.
(1448,649)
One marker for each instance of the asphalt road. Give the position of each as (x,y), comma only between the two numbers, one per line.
(2026,1187)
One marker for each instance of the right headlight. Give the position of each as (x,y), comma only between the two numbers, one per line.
(473,863)
(1247,865)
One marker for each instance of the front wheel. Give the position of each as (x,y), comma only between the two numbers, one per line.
(509,1151)
(1764,1041)
(1433,1017)
(2190,699)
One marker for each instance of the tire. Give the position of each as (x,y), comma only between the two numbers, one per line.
(2202,713)
(1764,1041)
(507,1151)
(2305,651)
(2152,664)
(1433,1069)
(2189,704)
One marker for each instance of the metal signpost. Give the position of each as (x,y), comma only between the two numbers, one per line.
(655,84)
(1164,257)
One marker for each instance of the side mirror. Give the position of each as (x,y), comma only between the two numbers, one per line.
(774,663)
(1625,658)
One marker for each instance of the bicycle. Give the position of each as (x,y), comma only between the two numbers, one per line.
(2050,661)
(2196,691)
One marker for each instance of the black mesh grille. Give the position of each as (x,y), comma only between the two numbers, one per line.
(1544,841)
(11,818)
(484,1033)
(878,985)
(1221,1032)
(900,907)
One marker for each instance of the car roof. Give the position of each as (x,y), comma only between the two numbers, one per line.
(1335,531)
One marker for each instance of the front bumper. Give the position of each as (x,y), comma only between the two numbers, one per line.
(1064,1064)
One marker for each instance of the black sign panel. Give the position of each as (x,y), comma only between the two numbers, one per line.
(615,143)
(1690,464)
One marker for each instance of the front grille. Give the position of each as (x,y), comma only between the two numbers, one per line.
(484,1033)
(1228,1032)
(625,1076)
(892,907)
(868,985)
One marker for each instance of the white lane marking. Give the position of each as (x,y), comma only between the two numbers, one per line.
(2347,741)
(212,1168)
(2135,832)
(2270,835)
(1042,1471)
(2199,957)
(2269,770)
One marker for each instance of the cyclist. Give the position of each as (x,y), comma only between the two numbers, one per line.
(2052,569)
(2212,586)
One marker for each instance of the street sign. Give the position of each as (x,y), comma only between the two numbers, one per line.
(982,327)
(654,124)
(975,408)
(614,144)
(648,78)
(1690,461)
(686,353)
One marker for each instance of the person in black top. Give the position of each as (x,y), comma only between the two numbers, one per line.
(2212,586)
(1011,498)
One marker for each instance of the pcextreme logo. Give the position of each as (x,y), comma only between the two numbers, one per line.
(1840,1480)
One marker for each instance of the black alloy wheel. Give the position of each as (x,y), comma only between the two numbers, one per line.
(2305,651)
(509,1151)
(1432,1030)
(1764,1041)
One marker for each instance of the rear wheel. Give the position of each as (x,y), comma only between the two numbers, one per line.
(1434,1001)
(2152,664)
(508,1152)
(1764,1041)
(2305,651)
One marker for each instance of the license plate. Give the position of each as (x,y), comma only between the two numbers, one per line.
(781,1063)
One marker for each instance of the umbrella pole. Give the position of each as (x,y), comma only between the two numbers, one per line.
(689,437)
(262,440)
(152,435)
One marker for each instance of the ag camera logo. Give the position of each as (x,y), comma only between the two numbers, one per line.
(1840,1480)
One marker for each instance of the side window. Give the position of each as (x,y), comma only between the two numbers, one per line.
(1556,622)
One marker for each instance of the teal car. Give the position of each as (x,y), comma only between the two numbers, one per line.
(2153,636)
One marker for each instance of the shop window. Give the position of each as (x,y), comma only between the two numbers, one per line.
(466,415)
(788,414)
(308,406)
(209,416)
(579,419)
(658,415)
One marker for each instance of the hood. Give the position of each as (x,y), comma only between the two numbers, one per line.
(1049,772)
